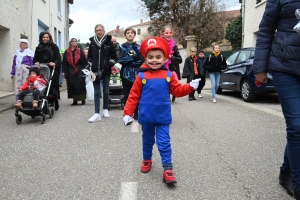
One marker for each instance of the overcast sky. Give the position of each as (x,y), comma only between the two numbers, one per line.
(110,13)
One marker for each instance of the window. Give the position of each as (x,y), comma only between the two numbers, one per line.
(59,40)
(258,1)
(42,27)
(59,9)
(232,58)
(244,55)
(55,35)
(138,31)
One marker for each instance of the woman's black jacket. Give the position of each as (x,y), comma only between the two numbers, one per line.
(101,55)
(175,61)
(188,68)
(215,64)
(49,52)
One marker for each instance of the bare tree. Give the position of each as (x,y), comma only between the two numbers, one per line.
(187,17)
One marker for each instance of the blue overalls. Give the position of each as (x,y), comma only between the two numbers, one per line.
(155,117)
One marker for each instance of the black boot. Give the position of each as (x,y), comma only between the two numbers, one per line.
(297,195)
(56,106)
(286,181)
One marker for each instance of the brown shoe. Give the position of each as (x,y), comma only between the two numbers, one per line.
(18,104)
(35,104)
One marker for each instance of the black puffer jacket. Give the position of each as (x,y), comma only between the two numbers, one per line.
(278,45)
(188,68)
(100,56)
(175,61)
(215,64)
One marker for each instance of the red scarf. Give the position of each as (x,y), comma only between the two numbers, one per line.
(171,43)
(195,65)
(73,61)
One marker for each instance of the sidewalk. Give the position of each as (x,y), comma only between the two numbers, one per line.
(7,99)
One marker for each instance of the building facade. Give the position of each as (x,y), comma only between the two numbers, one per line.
(26,19)
(252,12)
(142,31)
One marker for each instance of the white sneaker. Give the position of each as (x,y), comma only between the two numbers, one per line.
(214,100)
(200,96)
(96,117)
(105,113)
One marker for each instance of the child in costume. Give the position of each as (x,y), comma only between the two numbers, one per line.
(38,83)
(151,91)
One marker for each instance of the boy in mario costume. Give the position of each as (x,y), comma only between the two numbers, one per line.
(151,90)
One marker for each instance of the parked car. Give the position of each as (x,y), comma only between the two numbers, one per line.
(239,76)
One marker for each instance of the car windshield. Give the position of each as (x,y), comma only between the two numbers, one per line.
(243,56)
(232,58)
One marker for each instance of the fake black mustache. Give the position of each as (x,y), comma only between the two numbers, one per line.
(155,63)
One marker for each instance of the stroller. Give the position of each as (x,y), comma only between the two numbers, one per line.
(115,94)
(44,107)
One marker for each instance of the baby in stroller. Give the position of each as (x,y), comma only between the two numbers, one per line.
(36,82)
(116,95)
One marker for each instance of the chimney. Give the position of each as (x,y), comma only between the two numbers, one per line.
(141,21)
(117,29)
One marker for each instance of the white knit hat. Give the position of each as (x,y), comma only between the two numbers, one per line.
(24,40)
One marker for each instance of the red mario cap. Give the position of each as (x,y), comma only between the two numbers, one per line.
(155,43)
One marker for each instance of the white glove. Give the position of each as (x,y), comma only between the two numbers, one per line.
(127,120)
(195,83)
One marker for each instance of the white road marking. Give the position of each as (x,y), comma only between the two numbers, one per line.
(135,126)
(128,191)
(250,105)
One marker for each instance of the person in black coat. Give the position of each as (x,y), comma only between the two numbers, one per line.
(191,70)
(214,64)
(201,59)
(277,50)
(175,58)
(74,61)
(47,52)
(101,56)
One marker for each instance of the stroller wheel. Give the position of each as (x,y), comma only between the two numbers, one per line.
(32,117)
(18,119)
(43,119)
(51,112)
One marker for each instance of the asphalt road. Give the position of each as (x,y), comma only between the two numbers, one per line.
(225,150)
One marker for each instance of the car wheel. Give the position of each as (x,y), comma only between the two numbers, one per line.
(246,91)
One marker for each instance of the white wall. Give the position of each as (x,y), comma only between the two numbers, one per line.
(14,21)
(46,11)
(252,16)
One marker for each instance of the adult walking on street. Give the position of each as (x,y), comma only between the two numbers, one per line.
(102,56)
(214,64)
(174,58)
(74,61)
(116,45)
(277,49)
(191,70)
(23,60)
(47,52)
(130,58)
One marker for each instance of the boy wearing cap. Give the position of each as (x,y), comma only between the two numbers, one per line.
(151,91)
(38,82)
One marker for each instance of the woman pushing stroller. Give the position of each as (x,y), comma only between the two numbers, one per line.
(37,82)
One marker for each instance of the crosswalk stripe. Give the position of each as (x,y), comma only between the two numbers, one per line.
(128,191)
